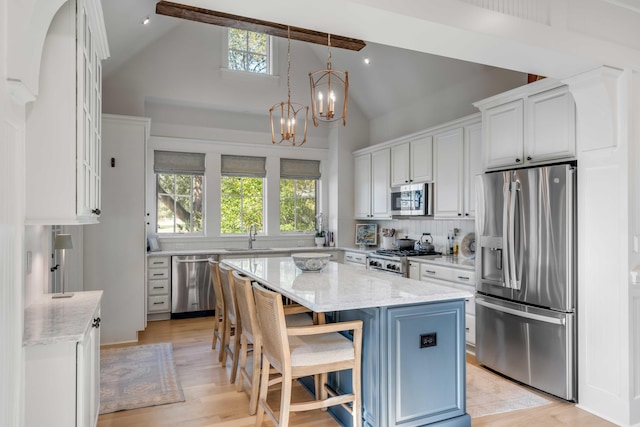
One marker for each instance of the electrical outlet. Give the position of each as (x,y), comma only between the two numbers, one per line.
(428,340)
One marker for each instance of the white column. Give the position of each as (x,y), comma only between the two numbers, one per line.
(605,316)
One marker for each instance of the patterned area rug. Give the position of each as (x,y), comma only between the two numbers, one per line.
(488,393)
(138,376)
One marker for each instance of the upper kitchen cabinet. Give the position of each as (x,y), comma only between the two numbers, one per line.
(412,161)
(457,154)
(371,180)
(63,130)
(529,125)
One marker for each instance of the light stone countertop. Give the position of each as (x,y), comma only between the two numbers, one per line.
(448,261)
(51,320)
(341,287)
(257,251)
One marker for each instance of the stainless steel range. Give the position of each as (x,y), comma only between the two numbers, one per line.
(394,261)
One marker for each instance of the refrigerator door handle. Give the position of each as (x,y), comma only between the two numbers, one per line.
(513,272)
(506,273)
(519,313)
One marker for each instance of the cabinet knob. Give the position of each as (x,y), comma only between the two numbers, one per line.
(518,160)
(459,214)
(96,322)
(466,214)
(96,211)
(529,158)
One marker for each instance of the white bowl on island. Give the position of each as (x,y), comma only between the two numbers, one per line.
(310,261)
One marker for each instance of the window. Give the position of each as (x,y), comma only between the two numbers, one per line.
(241,193)
(248,51)
(179,192)
(298,194)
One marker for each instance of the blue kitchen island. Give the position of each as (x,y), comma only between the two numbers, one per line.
(413,349)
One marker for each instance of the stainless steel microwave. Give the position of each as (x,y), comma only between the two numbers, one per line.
(412,200)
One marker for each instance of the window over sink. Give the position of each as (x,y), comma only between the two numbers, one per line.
(298,194)
(242,193)
(179,192)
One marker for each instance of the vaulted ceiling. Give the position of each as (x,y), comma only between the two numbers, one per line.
(395,79)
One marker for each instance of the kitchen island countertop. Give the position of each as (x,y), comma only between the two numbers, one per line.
(342,287)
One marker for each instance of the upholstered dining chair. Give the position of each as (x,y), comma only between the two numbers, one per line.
(232,321)
(219,314)
(302,351)
(250,334)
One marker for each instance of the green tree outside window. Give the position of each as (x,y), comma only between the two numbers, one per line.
(297,204)
(179,203)
(241,204)
(248,51)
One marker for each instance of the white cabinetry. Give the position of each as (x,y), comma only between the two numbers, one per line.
(62,375)
(412,161)
(355,259)
(158,287)
(63,133)
(457,158)
(472,166)
(530,125)
(458,278)
(449,150)
(371,180)
(114,249)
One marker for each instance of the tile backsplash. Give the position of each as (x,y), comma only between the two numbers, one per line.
(439,229)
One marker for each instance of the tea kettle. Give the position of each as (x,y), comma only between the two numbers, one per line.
(427,244)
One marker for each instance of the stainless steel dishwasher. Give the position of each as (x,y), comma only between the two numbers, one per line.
(191,290)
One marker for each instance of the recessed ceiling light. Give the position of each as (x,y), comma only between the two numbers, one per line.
(367,61)
(146,20)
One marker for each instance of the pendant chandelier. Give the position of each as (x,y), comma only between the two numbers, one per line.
(329,90)
(284,115)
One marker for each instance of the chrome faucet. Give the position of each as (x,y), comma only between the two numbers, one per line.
(252,237)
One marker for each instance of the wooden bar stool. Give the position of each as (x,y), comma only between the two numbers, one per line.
(301,351)
(250,334)
(218,320)
(232,322)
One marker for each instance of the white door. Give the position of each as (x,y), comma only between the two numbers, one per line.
(504,134)
(449,152)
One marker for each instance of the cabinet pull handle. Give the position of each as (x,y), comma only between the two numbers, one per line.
(158,287)
(158,303)
(463,278)
(518,160)
(430,271)
(529,158)
(96,322)
(96,211)
(158,274)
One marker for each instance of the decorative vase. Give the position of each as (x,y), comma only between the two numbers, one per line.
(319,241)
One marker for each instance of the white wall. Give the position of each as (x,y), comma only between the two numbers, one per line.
(449,103)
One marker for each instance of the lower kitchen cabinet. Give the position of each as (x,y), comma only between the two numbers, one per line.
(158,287)
(460,278)
(62,374)
(355,259)
(413,366)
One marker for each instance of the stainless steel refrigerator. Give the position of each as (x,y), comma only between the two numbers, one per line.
(526,276)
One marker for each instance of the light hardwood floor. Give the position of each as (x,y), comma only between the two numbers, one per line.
(211,401)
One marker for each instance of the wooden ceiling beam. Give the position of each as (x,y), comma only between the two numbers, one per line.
(207,16)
